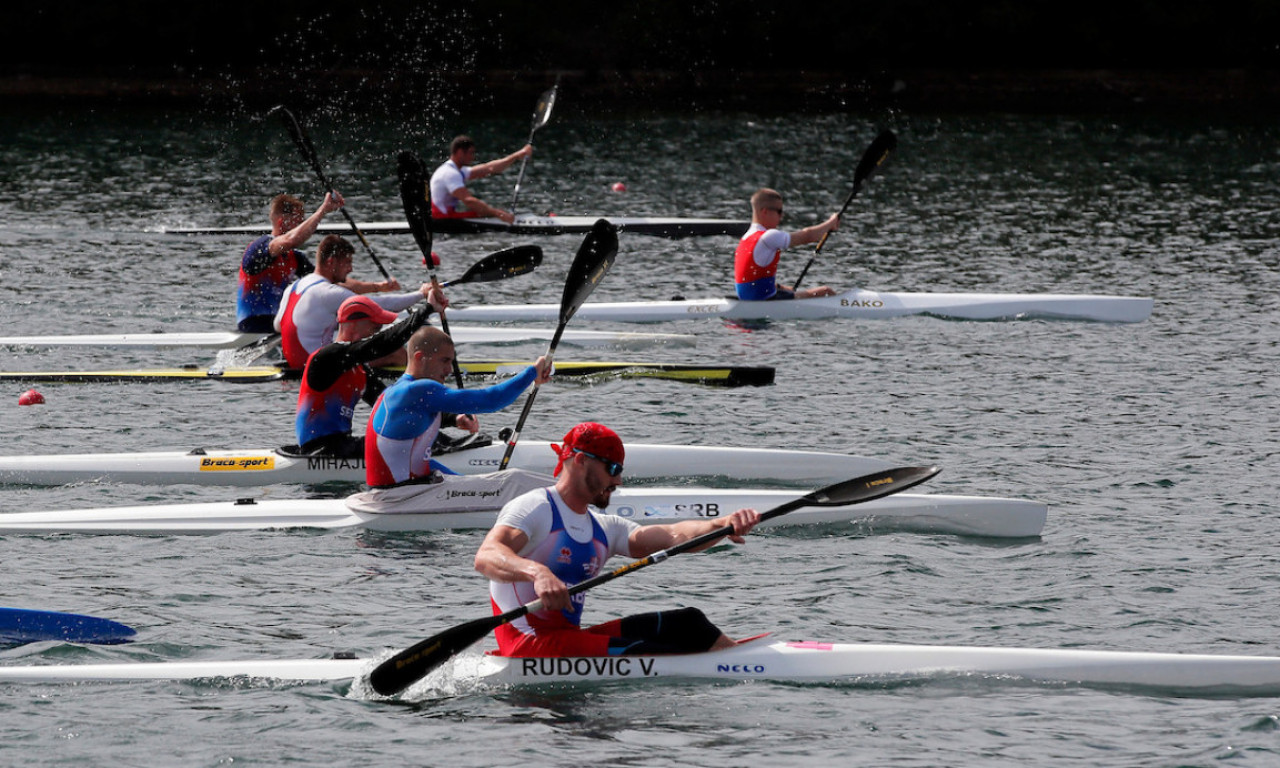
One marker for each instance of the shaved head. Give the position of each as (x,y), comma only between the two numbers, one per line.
(428,340)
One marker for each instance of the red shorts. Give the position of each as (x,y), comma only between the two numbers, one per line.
(567,641)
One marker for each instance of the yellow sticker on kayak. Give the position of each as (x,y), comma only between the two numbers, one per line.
(237,463)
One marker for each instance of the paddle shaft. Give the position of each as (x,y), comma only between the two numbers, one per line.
(403,669)
(871,160)
(528,401)
(308,150)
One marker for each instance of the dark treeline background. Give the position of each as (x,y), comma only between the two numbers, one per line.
(648,49)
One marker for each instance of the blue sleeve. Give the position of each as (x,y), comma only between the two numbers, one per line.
(409,405)
(484,399)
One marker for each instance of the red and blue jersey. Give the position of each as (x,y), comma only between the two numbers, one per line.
(755,262)
(406,420)
(337,377)
(325,412)
(262,282)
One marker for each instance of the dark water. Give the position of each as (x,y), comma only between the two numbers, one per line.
(1154,444)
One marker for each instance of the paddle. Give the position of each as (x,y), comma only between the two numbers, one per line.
(594,258)
(412,664)
(415,194)
(871,161)
(499,265)
(303,143)
(541,114)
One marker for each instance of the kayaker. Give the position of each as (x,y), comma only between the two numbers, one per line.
(273,261)
(549,539)
(450,197)
(755,262)
(408,417)
(308,314)
(338,374)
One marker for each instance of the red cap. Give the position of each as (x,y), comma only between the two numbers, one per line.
(358,307)
(593,438)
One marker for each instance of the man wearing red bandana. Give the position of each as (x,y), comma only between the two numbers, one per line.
(550,539)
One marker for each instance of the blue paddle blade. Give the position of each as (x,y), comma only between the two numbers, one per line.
(22,625)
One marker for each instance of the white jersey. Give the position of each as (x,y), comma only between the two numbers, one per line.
(314,313)
(533,514)
(447,179)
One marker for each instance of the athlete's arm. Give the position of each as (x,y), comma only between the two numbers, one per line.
(648,539)
(294,238)
(814,234)
(332,360)
(482,400)
(497,560)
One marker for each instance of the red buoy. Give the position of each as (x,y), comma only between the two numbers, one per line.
(435,259)
(619,187)
(31,397)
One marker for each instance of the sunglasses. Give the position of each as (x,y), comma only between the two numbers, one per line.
(612,467)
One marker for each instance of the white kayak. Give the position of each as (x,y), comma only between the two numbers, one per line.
(525,224)
(461,334)
(253,467)
(924,513)
(763,660)
(856,303)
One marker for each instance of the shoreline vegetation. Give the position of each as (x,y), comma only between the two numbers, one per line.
(1202,91)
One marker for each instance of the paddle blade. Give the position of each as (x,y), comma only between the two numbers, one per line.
(595,256)
(415,194)
(874,157)
(542,112)
(301,141)
(419,660)
(520,260)
(858,490)
(24,625)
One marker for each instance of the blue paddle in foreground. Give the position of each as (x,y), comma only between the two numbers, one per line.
(22,625)
(416,662)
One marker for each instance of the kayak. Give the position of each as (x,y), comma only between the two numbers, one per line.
(525,224)
(922,513)
(252,467)
(235,340)
(24,625)
(759,660)
(856,303)
(712,375)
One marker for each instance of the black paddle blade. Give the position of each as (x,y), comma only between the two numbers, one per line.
(419,660)
(875,156)
(868,487)
(520,260)
(595,256)
(858,490)
(415,193)
(301,141)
